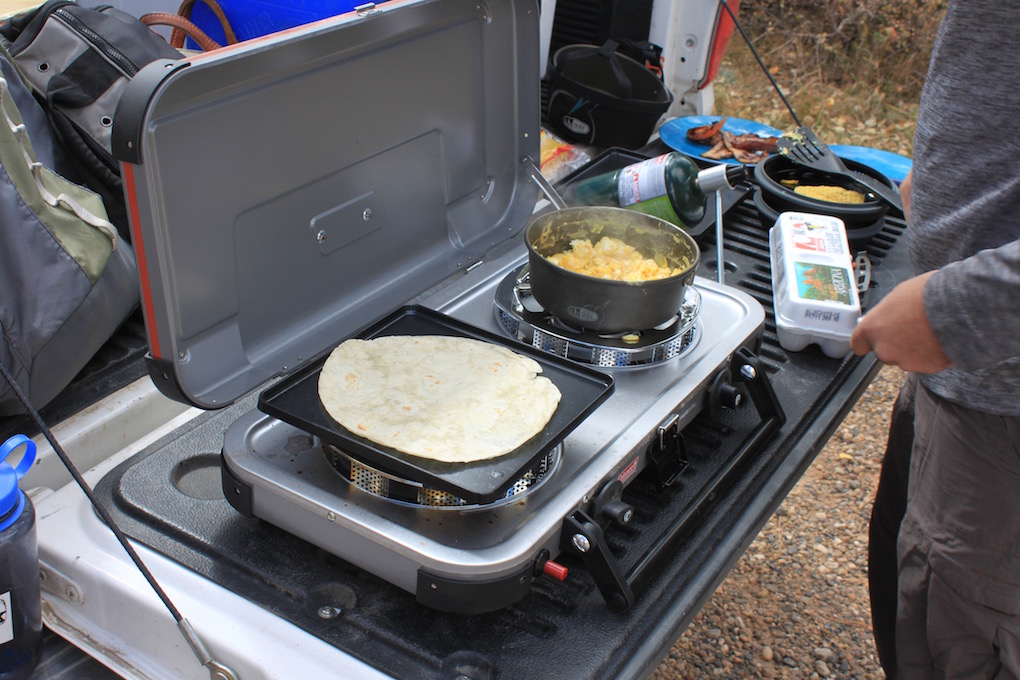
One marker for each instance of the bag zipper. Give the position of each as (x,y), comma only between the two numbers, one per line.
(126,66)
(101,44)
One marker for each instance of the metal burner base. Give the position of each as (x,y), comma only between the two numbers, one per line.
(521,317)
(415,494)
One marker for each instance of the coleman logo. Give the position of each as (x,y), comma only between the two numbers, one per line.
(583,313)
(576,125)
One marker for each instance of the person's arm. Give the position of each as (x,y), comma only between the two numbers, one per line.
(905,187)
(975,312)
(973,306)
(897,329)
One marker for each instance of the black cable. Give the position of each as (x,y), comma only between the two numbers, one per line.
(772,80)
(121,537)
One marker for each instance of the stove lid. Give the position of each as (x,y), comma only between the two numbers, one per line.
(287,191)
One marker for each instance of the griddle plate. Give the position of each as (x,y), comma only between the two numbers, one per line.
(296,401)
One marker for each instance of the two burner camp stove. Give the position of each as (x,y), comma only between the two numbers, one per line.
(416,529)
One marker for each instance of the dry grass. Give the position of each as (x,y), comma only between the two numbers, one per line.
(851,69)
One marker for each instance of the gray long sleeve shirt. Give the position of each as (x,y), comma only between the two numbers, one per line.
(965,204)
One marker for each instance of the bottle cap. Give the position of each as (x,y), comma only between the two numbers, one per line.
(11,501)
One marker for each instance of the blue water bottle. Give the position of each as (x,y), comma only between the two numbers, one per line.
(20,603)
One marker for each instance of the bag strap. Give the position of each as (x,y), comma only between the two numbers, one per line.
(182,26)
(50,186)
(184,11)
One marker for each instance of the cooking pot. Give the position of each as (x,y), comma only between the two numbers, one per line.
(858,236)
(608,305)
(602,98)
(861,218)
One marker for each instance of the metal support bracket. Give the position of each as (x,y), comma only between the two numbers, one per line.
(583,536)
(57,583)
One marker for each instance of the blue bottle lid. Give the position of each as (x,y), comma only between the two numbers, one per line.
(12,501)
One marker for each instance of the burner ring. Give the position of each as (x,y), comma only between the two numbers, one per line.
(409,492)
(520,317)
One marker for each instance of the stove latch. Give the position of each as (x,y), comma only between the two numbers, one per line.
(667,455)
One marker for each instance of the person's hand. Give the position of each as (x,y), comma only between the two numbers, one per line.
(898,332)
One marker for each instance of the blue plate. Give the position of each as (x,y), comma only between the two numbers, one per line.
(892,165)
(674,134)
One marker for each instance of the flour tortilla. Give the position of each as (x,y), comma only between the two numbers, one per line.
(448,399)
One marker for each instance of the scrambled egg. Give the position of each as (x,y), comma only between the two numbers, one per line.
(832,194)
(611,258)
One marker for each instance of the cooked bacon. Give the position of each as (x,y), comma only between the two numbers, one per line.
(756,143)
(714,140)
(703,133)
(718,152)
(748,149)
(748,157)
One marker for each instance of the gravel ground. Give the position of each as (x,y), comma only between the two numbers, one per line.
(796,603)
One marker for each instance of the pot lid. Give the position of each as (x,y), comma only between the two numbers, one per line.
(602,74)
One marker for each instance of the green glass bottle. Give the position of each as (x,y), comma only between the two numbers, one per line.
(669,186)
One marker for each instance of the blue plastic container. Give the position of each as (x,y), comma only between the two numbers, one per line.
(254,18)
(20,603)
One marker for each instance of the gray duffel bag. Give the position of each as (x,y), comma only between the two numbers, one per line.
(67,279)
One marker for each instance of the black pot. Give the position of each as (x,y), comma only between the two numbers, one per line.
(602,98)
(603,304)
(859,237)
(859,218)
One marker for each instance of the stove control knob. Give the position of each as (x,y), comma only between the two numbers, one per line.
(723,394)
(618,511)
(544,565)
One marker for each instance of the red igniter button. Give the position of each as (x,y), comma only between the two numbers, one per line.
(555,570)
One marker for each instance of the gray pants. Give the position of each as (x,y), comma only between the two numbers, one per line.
(958,611)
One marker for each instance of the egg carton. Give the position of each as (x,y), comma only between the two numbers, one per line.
(814,287)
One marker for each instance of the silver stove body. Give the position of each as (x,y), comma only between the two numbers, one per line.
(293,486)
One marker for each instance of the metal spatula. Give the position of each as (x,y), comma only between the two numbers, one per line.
(805,148)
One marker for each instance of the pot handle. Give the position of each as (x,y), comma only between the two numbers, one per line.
(608,51)
(543,184)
